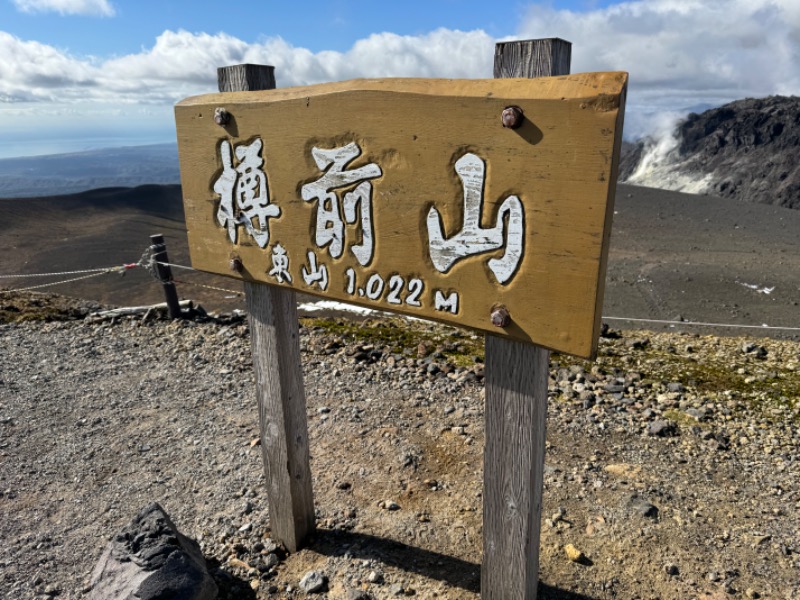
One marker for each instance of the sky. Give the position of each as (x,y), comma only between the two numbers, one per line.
(87,74)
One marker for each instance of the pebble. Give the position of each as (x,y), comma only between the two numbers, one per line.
(662,428)
(313,582)
(271,560)
(644,508)
(574,554)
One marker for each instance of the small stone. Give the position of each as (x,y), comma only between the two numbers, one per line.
(662,428)
(255,584)
(638,344)
(696,413)
(644,508)
(389,505)
(574,554)
(358,595)
(396,590)
(239,564)
(312,582)
(751,593)
(625,470)
(671,569)
(375,577)
(271,560)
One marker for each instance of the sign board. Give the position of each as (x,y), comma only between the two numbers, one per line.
(410,195)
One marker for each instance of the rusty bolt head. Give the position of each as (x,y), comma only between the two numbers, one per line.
(236,265)
(500,316)
(512,117)
(221,117)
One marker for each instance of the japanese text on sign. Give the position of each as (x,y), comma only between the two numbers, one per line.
(244,201)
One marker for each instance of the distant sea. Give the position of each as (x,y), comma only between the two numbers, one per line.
(43,144)
(94,167)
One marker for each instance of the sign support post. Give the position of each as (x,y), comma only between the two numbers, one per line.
(516,406)
(275,339)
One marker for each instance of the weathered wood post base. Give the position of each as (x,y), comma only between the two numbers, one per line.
(516,407)
(281,411)
(274,329)
(513,463)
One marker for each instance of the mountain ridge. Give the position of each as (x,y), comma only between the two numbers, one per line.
(747,149)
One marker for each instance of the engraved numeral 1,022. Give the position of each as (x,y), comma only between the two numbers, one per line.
(376,285)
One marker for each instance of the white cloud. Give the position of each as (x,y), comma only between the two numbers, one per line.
(30,71)
(67,7)
(192,59)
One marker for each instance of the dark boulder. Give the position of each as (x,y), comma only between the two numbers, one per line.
(151,560)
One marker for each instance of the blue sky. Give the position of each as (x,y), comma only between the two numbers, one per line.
(79,74)
(316,25)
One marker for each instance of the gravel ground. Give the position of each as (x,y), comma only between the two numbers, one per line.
(672,467)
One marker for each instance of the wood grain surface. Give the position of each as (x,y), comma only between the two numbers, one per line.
(513,465)
(281,412)
(561,165)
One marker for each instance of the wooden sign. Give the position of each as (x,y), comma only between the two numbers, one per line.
(411,196)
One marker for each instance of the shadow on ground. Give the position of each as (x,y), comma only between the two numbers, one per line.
(453,571)
(229,586)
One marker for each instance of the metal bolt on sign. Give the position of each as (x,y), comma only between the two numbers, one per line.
(500,316)
(512,117)
(221,116)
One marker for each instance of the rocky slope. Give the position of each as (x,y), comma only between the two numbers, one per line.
(672,462)
(748,150)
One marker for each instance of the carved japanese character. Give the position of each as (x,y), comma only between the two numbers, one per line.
(357,203)
(315,274)
(280,264)
(474,239)
(244,197)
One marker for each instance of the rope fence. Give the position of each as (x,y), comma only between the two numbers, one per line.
(148,262)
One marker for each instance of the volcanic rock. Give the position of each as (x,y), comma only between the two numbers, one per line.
(150,559)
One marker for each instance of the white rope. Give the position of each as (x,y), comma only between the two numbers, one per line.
(25,275)
(700,324)
(147,262)
(44,285)
(166,264)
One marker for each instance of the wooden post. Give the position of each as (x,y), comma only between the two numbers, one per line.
(516,407)
(532,58)
(164,272)
(275,338)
